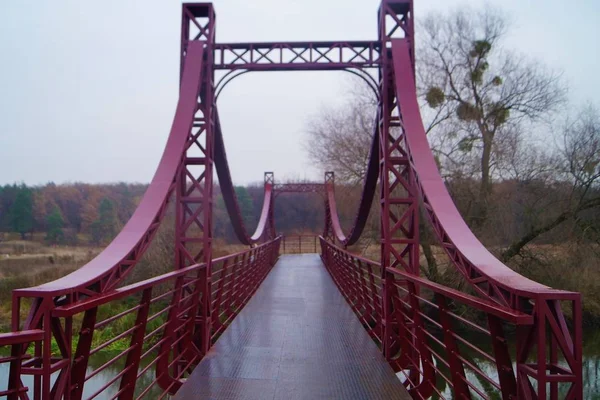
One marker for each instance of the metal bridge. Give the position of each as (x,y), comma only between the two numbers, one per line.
(257,325)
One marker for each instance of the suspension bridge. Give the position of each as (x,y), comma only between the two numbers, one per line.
(260,325)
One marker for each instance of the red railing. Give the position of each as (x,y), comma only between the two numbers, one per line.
(359,280)
(16,341)
(137,341)
(298,244)
(450,344)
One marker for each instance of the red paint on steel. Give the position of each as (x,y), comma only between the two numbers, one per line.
(179,315)
(265,227)
(299,244)
(399,205)
(333,227)
(492,279)
(116,260)
(287,56)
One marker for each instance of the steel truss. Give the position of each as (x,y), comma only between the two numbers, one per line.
(201,296)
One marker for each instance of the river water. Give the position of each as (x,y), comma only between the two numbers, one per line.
(591,373)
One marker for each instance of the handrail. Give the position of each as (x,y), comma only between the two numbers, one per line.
(356,256)
(490,307)
(175,316)
(27,336)
(120,293)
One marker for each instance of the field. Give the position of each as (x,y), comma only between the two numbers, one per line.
(26,263)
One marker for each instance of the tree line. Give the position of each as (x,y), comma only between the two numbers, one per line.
(82,213)
(68,211)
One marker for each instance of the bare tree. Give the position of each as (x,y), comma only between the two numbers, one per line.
(339,139)
(576,178)
(478,91)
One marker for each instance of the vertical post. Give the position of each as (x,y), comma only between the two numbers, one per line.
(328,229)
(14,376)
(541,310)
(128,381)
(195,179)
(398,196)
(46,354)
(577,345)
(506,374)
(82,353)
(460,388)
(270,180)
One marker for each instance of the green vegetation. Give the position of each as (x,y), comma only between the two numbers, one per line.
(107,225)
(21,211)
(246,206)
(55,223)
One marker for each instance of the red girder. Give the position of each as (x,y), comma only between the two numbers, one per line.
(198,300)
(332,223)
(488,275)
(475,261)
(266,225)
(109,268)
(286,56)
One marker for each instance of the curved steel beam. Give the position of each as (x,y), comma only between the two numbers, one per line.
(111,266)
(364,207)
(234,73)
(487,274)
(230,198)
(369,80)
(228,77)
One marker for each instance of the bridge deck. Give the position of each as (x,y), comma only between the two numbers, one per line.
(297,338)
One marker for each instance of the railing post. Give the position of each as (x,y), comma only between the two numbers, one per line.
(132,363)
(459,382)
(232,289)
(163,373)
(14,377)
(506,375)
(216,310)
(82,353)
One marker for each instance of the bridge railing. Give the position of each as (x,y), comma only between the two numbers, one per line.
(298,244)
(137,341)
(359,281)
(446,343)
(12,355)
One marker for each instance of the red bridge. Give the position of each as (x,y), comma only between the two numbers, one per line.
(256,325)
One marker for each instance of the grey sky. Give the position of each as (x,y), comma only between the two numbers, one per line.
(88,89)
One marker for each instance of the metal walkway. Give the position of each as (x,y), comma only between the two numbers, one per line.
(297,338)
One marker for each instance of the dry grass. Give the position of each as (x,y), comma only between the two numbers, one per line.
(27,263)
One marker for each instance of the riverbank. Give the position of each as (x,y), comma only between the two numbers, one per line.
(569,266)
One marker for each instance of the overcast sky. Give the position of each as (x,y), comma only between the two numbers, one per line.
(88,89)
